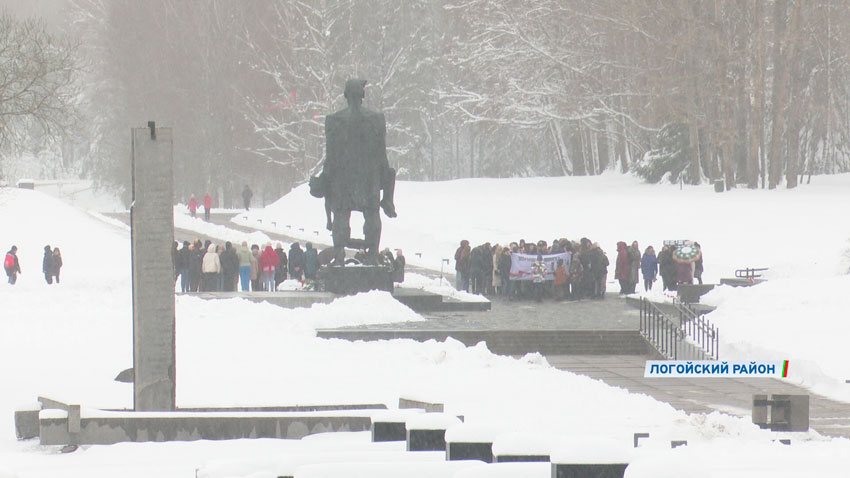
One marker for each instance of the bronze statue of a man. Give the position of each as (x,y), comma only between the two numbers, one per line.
(356,170)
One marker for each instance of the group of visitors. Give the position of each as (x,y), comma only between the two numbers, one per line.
(578,271)
(50,265)
(569,270)
(194,205)
(207,267)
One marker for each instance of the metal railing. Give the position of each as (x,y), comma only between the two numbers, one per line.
(670,338)
(750,273)
(659,330)
(700,330)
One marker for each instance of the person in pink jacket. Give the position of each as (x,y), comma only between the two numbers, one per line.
(268,262)
(193,205)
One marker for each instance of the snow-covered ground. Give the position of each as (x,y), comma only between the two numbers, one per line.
(800,234)
(69,341)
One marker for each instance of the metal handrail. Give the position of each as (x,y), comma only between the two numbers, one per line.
(694,324)
(662,332)
(750,273)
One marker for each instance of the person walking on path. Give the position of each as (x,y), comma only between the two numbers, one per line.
(47,264)
(12,265)
(207,206)
(57,264)
(247,194)
(193,205)
(649,268)
(244,255)
(268,263)
(211,268)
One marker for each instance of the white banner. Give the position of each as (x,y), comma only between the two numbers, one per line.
(521,265)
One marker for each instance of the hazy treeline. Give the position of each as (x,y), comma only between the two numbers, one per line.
(753,92)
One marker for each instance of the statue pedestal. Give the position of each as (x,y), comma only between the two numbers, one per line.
(353,279)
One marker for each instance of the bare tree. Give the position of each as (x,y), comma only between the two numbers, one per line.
(38,89)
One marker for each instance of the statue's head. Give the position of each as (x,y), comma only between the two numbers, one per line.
(355,91)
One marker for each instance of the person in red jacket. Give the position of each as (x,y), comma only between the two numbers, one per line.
(268,262)
(207,206)
(193,205)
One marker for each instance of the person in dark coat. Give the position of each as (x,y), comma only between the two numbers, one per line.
(229,267)
(296,261)
(481,269)
(462,258)
(12,265)
(311,261)
(398,266)
(247,194)
(47,264)
(621,270)
(280,272)
(649,268)
(667,268)
(588,287)
(183,260)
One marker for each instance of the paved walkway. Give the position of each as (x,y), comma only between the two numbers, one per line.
(693,395)
(704,395)
(610,314)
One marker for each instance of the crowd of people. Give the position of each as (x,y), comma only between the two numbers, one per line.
(50,266)
(209,267)
(576,270)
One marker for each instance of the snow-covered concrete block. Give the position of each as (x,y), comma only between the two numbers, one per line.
(599,457)
(427,432)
